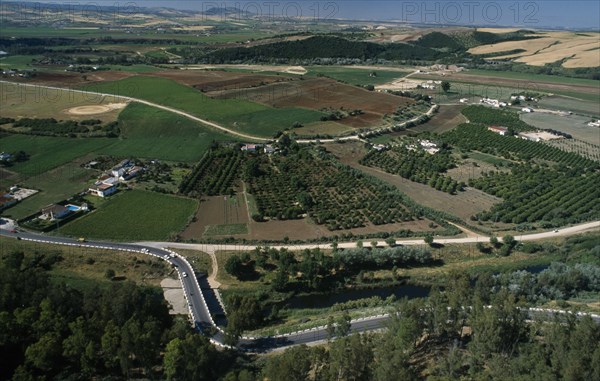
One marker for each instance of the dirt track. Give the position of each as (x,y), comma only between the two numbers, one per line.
(95,109)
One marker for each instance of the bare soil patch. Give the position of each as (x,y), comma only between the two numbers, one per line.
(207,80)
(299,70)
(306,229)
(174,296)
(401,84)
(95,109)
(445,119)
(217,210)
(324,93)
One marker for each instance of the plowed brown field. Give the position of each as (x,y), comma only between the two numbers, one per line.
(321,94)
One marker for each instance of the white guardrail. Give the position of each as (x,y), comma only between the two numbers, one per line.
(283,335)
(213,341)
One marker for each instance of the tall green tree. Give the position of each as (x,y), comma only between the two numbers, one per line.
(294,365)
(497,329)
(173,359)
(351,358)
(446,86)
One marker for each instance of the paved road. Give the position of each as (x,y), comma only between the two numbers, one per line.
(196,298)
(211,248)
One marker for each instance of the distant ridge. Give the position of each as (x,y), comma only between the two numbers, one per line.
(226,11)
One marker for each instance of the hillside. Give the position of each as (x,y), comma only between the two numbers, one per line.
(430,47)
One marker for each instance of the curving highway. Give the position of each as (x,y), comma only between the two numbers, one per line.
(201,315)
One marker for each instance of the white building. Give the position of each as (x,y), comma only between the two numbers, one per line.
(250,147)
(429,147)
(103,190)
(594,124)
(269,149)
(493,102)
(499,130)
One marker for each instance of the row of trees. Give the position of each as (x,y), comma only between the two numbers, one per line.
(53,127)
(309,182)
(533,194)
(314,270)
(495,117)
(473,137)
(215,174)
(416,165)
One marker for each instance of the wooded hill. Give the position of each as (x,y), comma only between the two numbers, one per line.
(432,46)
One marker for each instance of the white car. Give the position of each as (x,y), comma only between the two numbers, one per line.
(184,274)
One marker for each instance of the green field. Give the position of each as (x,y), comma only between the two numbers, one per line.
(41,31)
(46,153)
(576,125)
(251,118)
(322,128)
(487,158)
(157,54)
(533,77)
(231,36)
(135,215)
(134,68)
(17,62)
(153,133)
(270,121)
(570,104)
(25,101)
(226,229)
(355,76)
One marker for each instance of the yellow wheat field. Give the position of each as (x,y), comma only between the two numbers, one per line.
(578,50)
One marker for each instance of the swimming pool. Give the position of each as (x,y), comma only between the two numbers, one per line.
(73,208)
